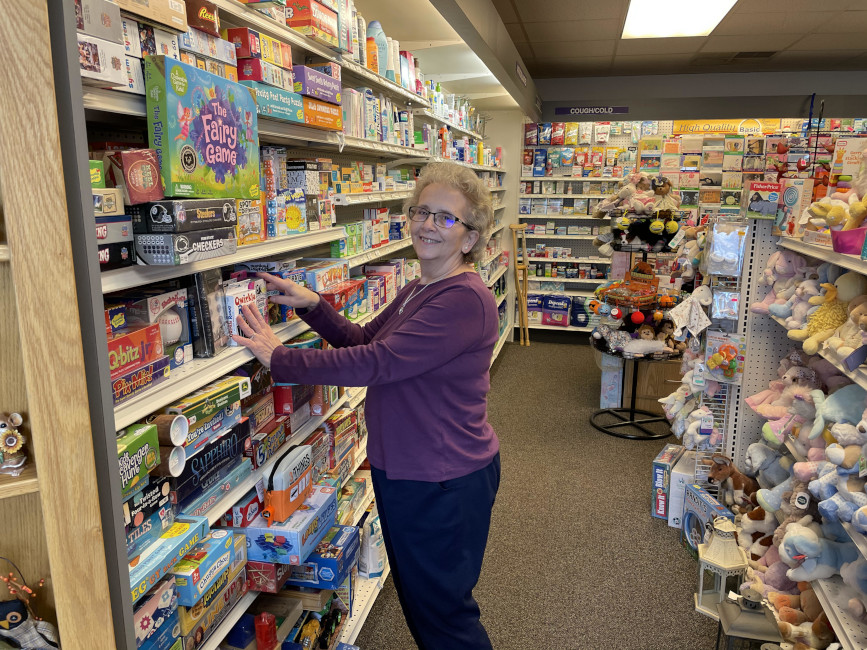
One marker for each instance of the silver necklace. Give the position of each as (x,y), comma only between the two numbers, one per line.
(414,293)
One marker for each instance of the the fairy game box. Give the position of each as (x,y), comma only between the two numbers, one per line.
(204,129)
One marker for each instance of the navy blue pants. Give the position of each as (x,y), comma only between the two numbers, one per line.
(435,536)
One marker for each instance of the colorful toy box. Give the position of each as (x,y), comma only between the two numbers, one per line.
(217,612)
(312,83)
(137,173)
(204,129)
(139,538)
(291,541)
(177,216)
(246,42)
(322,115)
(661,476)
(277,103)
(261,412)
(202,505)
(321,274)
(315,21)
(115,256)
(263,72)
(266,442)
(189,617)
(331,561)
(251,223)
(138,452)
(212,408)
(289,398)
(154,611)
(243,512)
(164,12)
(174,325)
(171,250)
(266,576)
(114,230)
(202,566)
(167,637)
(133,347)
(137,381)
(699,511)
(158,560)
(682,474)
(101,62)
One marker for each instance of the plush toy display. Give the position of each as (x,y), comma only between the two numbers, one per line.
(757,532)
(781,274)
(848,336)
(735,487)
(811,556)
(832,311)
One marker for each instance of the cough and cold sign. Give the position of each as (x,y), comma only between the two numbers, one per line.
(591,110)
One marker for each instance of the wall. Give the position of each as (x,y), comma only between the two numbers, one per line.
(706,96)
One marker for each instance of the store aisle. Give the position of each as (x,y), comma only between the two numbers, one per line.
(574,559)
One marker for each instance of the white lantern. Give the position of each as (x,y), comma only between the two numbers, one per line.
(723,559)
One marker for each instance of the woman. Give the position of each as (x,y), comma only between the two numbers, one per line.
(434,458)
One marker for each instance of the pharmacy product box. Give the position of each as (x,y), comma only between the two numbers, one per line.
(133,347)
(107,201)
(292,540)
(261,71)
(320,274)
(661,477)
(682,474)
(321,115)
(266,576)
(330,562)
(277,103)
(289,398)
(154,611)
(158,560)
(202,505)
(138,381)
(212,408)
(201,567)
(100,61)
(312,83)
(314,21)
(699,511)
(114,230)
(168,249)
(99,18)
(204,16)
(198,159)
(180,216)
(165,12)
(217,612)
(167,636)
(190,616)
(140,537)
(267,441)
(555,310)
(136,172)
(138,452)
(244,512)
(213,463)
(246,42)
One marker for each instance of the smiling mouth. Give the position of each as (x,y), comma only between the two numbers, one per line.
(428,241)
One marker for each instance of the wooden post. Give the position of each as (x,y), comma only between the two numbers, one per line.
(37,229)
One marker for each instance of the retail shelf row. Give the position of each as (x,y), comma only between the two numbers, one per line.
(571,294)
(535,236)
(371,197)
(501,342)
(481,168)
(366,592)
(496,276)
(559,328)
(562,196)
(423,112)
(537,278)
(357,396)
(571,178)
(135,276)
(583,260)
(851,262)
(490,258)
(498,228)
(502,299)
(558,217)
(376,253)
(354,69)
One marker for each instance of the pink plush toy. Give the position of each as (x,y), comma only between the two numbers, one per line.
(782,273)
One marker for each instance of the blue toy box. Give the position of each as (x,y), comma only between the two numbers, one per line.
(699,511)
(203,566)
(293,540)
(331,561)
(662,466)
(276,103)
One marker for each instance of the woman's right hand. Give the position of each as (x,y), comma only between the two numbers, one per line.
(293,294)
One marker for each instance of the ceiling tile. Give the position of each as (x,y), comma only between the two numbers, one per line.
(573,30)
(650,64)
(848,22)
(565,49)
(768,43)
(822,58)
(507,13)
(793,6)
(534,11)
(652,46)
(830,42)
(524,49)
(516,33)
(763,24)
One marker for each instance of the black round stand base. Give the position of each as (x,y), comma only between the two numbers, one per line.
(621,422)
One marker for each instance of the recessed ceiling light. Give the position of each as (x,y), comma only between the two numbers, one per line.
(673,18)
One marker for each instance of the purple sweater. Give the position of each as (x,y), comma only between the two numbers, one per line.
(427,373)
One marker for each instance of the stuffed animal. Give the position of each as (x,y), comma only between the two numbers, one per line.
(665,200)
(21,630)
(848,337)
(844,405)
(735,487)
(757,532)
(693,438)
(811,556)
(854,575)
(781,274)
(767,465)
(849,496)
(768,575)
(832,311)
(796,309)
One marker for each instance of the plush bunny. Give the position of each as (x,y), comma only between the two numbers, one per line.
(781,274)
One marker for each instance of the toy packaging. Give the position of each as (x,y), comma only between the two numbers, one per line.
(219,609)
(118,254)
(661,468)
(199,568)
(145,501)
(682,474)
(725,356)
(263,72)
(100,61)
(288,485)
(330,563)
(204,16)
(172,250)
(266,442)
(155,610)
(99,18)
(138,452)
(251,224)
(164,12)
(173,544)
(699,511)
(315,21)
(243,512)
(208,317)
(199,506)
(141,536)
(312,83)
(245,40)
(266,576)
(107,201)
(167,636)
(762,200)
(212,408)
(137,381)
(169,311)
(322,115)
(261,412)
(291,541)
(277,103)
(289,398)
(179,216)
(204,129)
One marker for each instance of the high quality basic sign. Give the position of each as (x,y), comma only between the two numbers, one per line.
(590,110)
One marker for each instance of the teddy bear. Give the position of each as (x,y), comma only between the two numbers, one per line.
(768,574)
(664,200)
(620,198)
(832,311)
(848,336)
(782,272)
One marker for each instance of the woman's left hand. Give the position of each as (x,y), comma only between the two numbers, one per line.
(258,337)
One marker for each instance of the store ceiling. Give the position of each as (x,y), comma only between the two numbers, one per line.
(581,38)
(442,53)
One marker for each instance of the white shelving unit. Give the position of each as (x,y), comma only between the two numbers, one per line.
(571,178)
(490,258)
(562,196)
(357,396)
(537,278)
(583,260)
(557,328)
(501,342)
(585,237)
(558,217)
(371,197)
(376,253)
(851,262)
(366,592)
(496,276)
(502,299)
(431,116)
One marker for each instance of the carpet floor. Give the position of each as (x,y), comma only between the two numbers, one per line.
(574,559)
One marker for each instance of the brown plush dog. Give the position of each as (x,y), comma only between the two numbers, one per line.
(735,487)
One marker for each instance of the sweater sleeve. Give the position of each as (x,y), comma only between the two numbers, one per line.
(339,331)
(444,327)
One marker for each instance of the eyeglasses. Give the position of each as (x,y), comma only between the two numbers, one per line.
(441,219)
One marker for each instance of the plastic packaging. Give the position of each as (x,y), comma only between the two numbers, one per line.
(725,248)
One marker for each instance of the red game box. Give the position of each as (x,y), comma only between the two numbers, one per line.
(290,397)
(133,348)
(246,42)
(137,173)
(267,577)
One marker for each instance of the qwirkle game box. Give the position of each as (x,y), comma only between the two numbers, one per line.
(204,129)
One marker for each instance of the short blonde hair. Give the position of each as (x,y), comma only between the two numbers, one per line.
(480,216)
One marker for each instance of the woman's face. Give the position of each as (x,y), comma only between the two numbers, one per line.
(442,245)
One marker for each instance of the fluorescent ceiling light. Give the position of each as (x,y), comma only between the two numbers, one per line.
(672,18)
